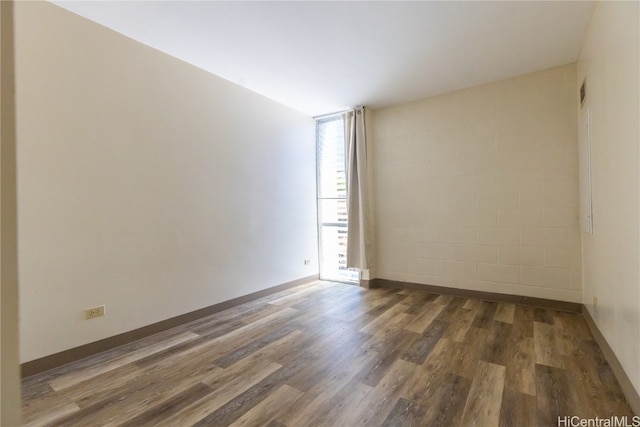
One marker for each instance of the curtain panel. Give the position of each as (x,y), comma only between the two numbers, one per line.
(359,244)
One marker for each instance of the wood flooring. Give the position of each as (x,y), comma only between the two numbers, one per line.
(330,354)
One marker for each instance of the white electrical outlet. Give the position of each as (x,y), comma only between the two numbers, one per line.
(92,312)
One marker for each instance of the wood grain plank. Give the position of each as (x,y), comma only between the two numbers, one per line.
(226,384)
(496,346)
(274,350)
(517,409)
(385,394)
(350,308)
(484,318)
(252,346)
(424,319)
(599,394)
(451,311)
(485,396)
(209,325)
(428,377)
(422,347)
(34,406)
(465,356)
(443,299)
(76,377)
(417,300)
(441,397)
(405,413)
(243,402)
(358,311)
(301,373)
(391,302)
(219,346)
(372,372)
(472,304)
(219,330)
(553,395)
(521,370)
(273,406)
(319,341)
(543,315)
(123,402)
(94,390)
(107,356)
(523,321)
(570,331)
(589,400)
(544,344)
(458,329)
(326,356)
(505,312)
(346,405)
(575,323)
(294,296)
(439,360)
(171,406)
(51,415)
(382,337)
(312,407)
(388,319)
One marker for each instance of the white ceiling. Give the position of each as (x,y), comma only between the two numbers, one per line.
(320,57)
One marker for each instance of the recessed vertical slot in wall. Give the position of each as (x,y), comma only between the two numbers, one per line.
(584,163)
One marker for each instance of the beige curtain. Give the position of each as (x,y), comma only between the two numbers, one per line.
(359,246)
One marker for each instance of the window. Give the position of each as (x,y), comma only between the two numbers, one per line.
(332,201)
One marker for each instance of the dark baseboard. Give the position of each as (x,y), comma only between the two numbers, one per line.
(488,296)
(77,353)
(633,398)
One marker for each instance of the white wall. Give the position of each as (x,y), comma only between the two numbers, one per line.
(146,184)
(610,61)
(477,189)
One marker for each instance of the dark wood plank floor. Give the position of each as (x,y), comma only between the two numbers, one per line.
(328,354)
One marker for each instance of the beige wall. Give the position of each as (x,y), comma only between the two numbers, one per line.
(610,61)
(9,368)
(146,184)
(477,189)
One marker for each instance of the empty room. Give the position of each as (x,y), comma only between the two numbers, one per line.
(320,213)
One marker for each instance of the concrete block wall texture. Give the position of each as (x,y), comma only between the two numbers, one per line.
(478,189)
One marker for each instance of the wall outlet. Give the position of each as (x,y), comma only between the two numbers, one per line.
(92,312)
(595,302)
(307,261)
